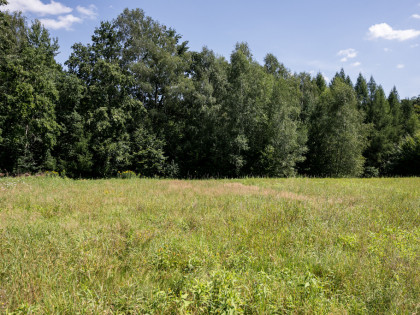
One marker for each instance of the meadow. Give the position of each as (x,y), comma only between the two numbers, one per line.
(266,246)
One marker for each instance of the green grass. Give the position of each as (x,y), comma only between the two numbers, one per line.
(215,246)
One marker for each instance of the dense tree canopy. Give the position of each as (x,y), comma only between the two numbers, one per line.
(136,98)
(337,133)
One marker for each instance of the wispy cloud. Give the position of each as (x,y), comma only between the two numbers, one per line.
(38,7)
(416,16)
(383,30)
(89,12)
(387,50)
(415,45)
(347,54)
(63,21)
(356,64)
(400,66)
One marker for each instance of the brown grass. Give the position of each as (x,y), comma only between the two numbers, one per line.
(239,189)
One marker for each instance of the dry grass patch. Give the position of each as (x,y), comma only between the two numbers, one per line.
(238,189)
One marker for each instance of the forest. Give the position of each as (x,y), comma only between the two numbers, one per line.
(138,99)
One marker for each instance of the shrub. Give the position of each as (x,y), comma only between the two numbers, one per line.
(51,174)
(405,160)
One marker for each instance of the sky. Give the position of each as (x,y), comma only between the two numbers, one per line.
(379,38)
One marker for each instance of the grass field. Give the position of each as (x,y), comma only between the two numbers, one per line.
(213,246)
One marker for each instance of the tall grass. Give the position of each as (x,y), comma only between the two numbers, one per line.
(214,246)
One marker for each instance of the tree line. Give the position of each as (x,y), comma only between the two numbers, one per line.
(137,98)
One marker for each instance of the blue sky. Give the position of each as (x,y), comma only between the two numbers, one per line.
(379,38)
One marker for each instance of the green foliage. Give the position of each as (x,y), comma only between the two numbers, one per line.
(217,295)
(320,82)
(137,98)
(126,174)
(410,116)
(29,128)
(51,174)
(72,150)
(378,115)
(337,133)
(361,89)
(405,160)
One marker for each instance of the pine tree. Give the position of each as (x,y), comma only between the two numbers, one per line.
(396,117)
(362,92)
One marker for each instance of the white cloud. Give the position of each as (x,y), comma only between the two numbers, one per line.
(356,64)
(385,31)
(38,7)
(63,21)
(400,66)
(414,46)
(416,16)
(89,12)
(387,50)
(347,54)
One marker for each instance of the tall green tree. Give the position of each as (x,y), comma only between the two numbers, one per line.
(380,137)
(275,68)
(362,92)
(410,119)
(133,79)
(308,92)
(337,135)
(320,82)
(239,107)
(28,98)
(200,150)
(283,135)
(396,115)
(159,61)
(73,154)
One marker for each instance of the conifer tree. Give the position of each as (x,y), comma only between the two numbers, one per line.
(362,92)
(380,137)
(396,117)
